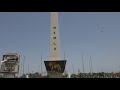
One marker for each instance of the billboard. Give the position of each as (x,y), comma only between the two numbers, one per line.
(55,66)
(10,63)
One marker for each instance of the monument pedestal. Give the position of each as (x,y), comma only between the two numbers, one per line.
(55,69)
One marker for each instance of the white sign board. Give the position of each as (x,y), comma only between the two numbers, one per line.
(10,63)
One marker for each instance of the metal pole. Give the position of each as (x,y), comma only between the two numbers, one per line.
(19,64)
(90,64)
(28,68)
(64,55)
(41,63)
(73,68)
(23,64)
(20,68)
(38,68)
(78,70)
(83,63)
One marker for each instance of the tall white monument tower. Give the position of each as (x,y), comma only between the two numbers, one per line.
(54,37)
(55,66)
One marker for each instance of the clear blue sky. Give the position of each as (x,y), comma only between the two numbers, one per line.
(96,34)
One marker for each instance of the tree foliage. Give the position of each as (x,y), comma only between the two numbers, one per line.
(79,75)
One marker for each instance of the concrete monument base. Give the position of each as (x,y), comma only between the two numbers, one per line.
(55,69)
